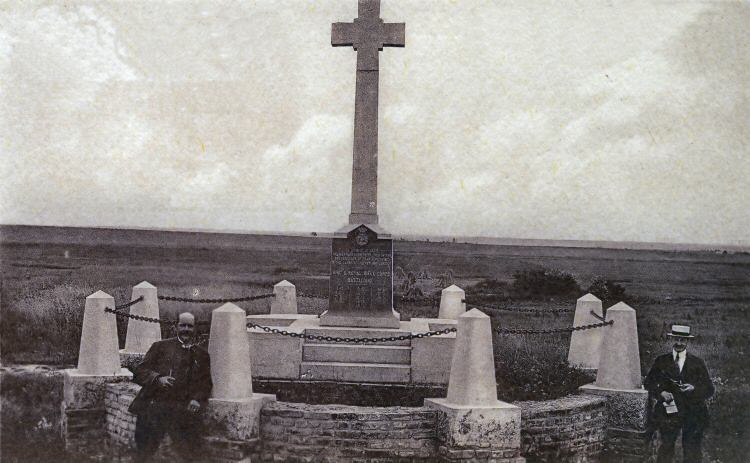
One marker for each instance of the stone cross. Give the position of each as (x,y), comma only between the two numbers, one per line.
(368,34)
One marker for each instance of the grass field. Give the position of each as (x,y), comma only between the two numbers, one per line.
(47,274)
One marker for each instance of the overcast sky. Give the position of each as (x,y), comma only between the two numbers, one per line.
(590,120)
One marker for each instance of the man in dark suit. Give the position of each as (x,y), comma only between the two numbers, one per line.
(175,376)
(680,385)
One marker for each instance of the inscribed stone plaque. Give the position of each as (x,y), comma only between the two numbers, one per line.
(361,278)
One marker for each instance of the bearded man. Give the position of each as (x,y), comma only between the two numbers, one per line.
(175,376)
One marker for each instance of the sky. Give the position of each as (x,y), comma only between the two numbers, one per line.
(579,120)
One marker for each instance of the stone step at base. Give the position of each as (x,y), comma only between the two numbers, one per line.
(355,372)
(336,332)
(345,353)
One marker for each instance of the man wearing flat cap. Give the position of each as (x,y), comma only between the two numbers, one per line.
(175,376)
(680,384)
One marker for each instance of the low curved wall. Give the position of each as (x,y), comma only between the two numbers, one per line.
(571,429)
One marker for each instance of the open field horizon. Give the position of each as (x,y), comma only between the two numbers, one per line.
(45,233)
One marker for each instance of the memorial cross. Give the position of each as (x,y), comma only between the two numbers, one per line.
(368,34)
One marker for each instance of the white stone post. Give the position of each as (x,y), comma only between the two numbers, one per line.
(142,334)
(618,378)
(98,353)
(586,344)
(452,303)
(233,405)
(285,298)
(474,418)
(98,364)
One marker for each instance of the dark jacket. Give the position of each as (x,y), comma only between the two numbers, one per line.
(664,376)
(190,367)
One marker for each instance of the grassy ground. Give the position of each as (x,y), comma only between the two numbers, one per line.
(44,286)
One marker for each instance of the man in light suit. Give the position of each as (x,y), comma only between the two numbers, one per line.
(680,384)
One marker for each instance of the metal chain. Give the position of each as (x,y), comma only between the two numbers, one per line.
(552,330)
(519,309)
(215,301)
(407,337)
(133,302)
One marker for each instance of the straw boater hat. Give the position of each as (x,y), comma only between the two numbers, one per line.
(680,331)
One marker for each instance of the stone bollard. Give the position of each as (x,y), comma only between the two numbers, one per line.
(141,334)
(82,409)
(233,409)
(285,298)
(619,380)
(472,420)
(452,303)
(585,345)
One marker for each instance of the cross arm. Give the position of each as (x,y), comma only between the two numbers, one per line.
(342,34)
(394,34)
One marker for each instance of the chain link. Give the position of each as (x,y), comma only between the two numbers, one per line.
(313,337)
(552,330)
(215,301)
(518,309)
(133,302)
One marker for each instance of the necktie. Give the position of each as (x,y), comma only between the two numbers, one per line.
(677,363)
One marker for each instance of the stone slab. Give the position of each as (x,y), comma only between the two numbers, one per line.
(348,353)
(355,372)
(490,426)
(352,319)
(236,419)
(626,408)
(87,391)
(273,355)
(432,357)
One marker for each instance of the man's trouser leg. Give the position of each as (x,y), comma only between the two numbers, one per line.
(667,438)
(186,435)
(149,431)
(692,438)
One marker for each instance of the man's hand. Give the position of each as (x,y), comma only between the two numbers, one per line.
(667,396)
(194,406)
(165,382)
(687,387)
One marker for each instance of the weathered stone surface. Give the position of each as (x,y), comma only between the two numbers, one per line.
(472,375)
(230,354)
(98,353)
(585,345)
(619,361)
(452,303)
(285,298)
(492,426)
(87,391)
(236,419)
(626,409)
(361,285)
(367,34)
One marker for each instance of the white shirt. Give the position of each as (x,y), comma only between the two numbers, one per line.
(680,356)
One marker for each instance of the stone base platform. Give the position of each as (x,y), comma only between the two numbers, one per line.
(407,361)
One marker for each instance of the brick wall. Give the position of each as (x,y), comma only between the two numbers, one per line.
(299,433)
(119,423)
(571,429)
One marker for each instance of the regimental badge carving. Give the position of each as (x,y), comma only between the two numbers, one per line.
(361,238)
